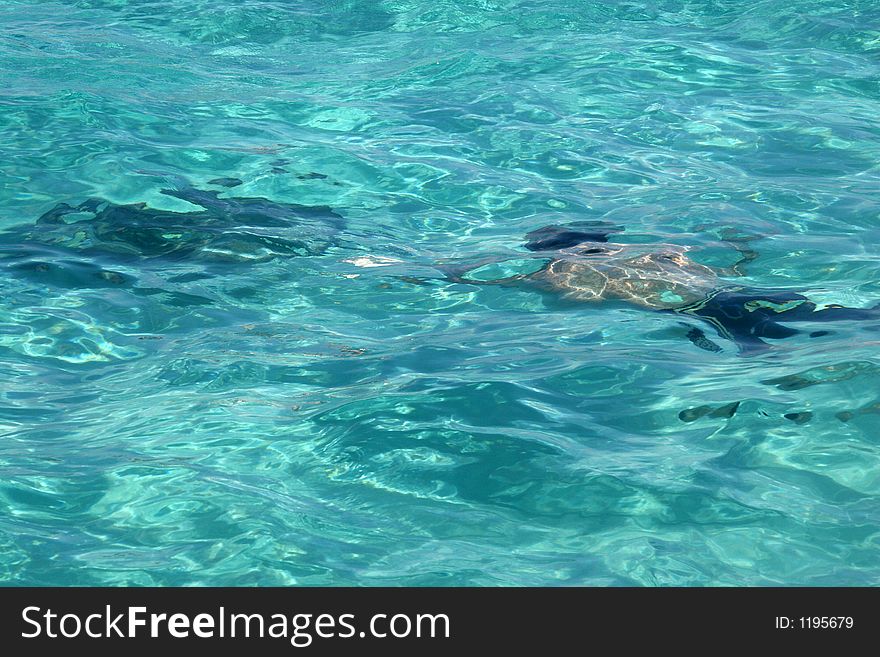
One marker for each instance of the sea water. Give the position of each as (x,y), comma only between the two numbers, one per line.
(187,401)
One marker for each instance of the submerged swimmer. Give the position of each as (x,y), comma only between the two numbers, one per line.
(582,265)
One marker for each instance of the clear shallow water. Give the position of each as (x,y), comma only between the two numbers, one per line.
(228,405)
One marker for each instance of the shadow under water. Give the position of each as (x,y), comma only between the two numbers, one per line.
(131,269)
(226,230)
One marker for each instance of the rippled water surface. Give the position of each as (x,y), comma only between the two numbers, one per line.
(271,382)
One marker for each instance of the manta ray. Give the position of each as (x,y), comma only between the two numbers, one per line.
(148,261)
(224,230)
(583,265)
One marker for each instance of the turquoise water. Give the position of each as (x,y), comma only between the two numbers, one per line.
(235,397)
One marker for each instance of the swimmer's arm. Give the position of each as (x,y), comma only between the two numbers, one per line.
(746,256)
(746,253)
(458,273)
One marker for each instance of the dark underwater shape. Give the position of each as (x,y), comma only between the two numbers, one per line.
(698,338)
(799,418)
(69,274)
(822,374)
(564,237)
(143,268)
(747,316)
(256,211)
(868,409)
(225,182)
(226,230)
(725,411)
